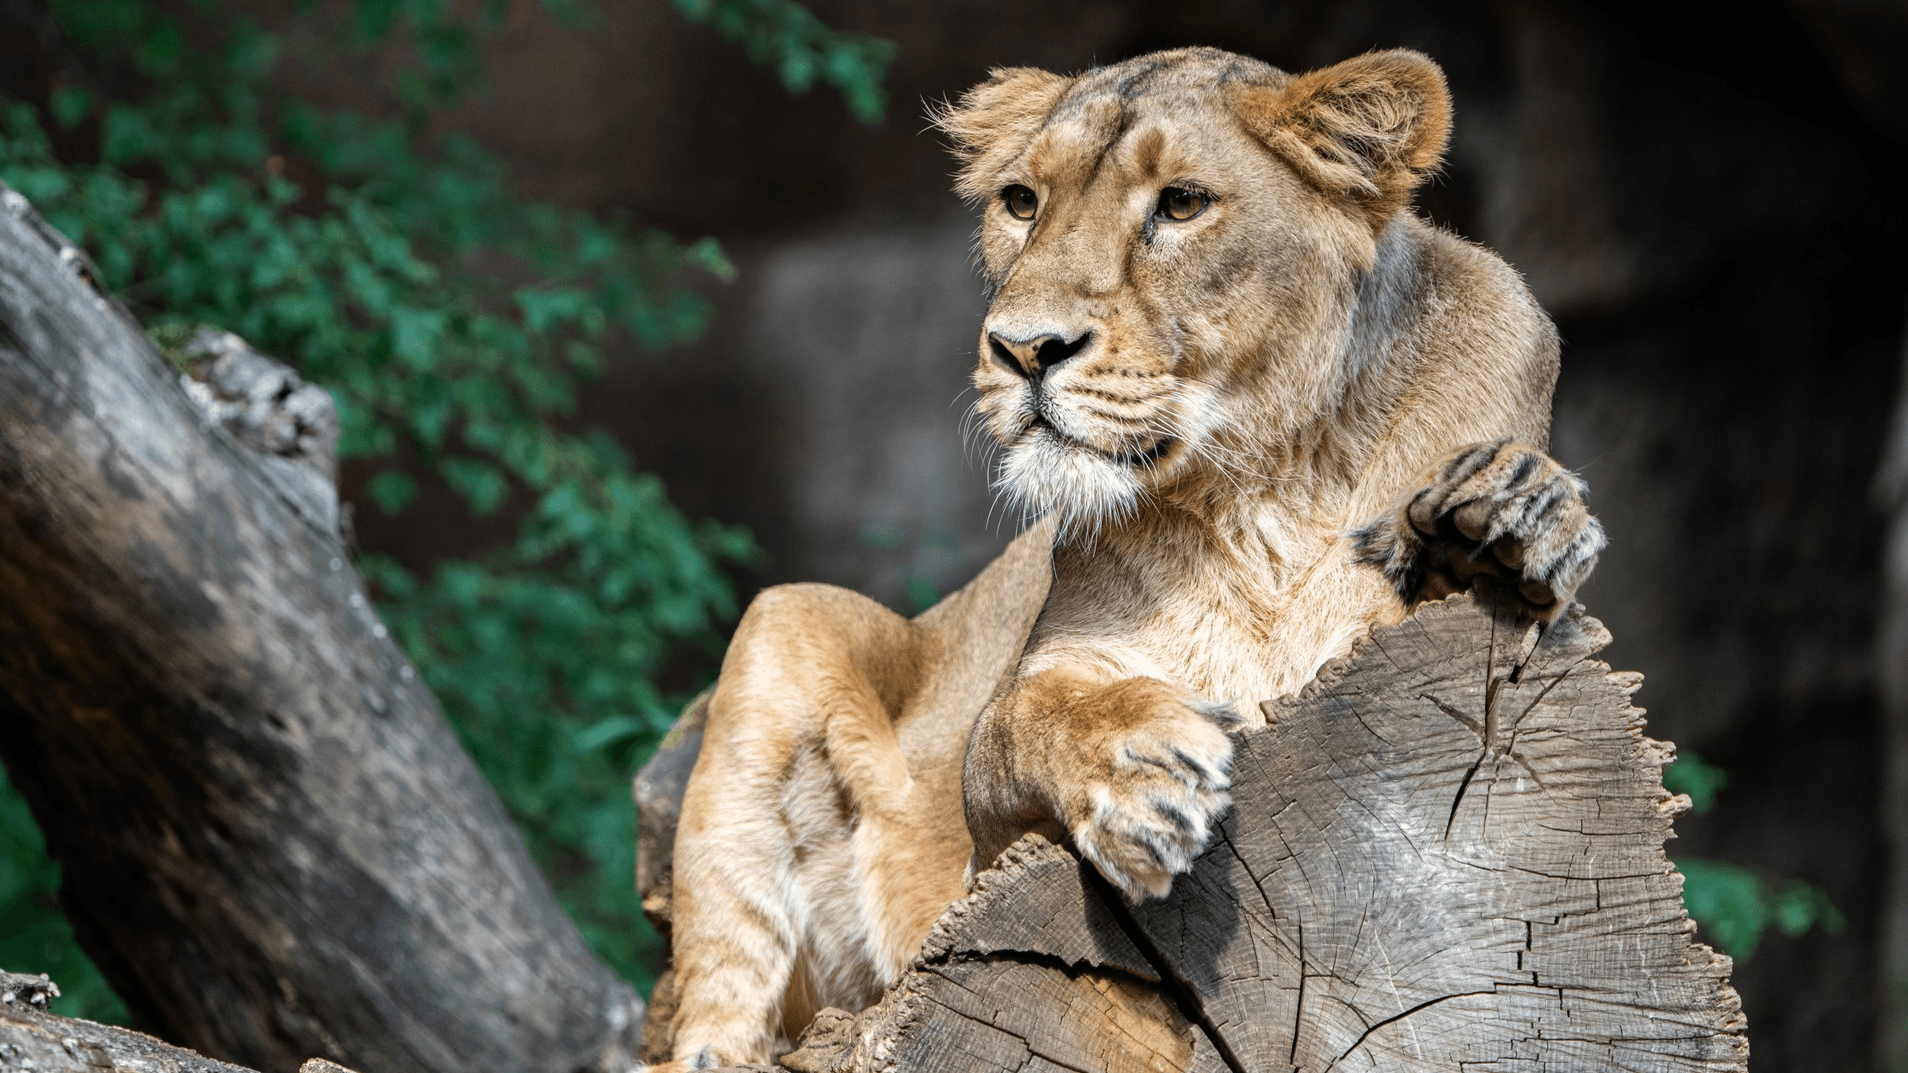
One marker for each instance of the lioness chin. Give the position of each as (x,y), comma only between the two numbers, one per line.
(1261,406)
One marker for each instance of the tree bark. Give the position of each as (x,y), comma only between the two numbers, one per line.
(31,1038)
(271,842)
(1446,853)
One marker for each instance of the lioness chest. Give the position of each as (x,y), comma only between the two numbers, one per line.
(1245,620)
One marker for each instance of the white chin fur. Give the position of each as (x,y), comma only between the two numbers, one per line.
(1079,488)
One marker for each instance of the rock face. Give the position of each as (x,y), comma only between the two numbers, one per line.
(1447,852)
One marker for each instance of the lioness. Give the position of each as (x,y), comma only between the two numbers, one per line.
(1261,406)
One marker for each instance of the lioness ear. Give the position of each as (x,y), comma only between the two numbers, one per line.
(995,120)
(1371,128)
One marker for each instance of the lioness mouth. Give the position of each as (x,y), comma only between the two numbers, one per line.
(1136,459)
(1142,459)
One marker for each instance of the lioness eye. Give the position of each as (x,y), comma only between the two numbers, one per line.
(1179,203)
(1020,201)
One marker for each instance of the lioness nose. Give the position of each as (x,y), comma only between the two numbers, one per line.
(1032,358)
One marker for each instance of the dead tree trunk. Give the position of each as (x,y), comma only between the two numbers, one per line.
(272,843)
(1446,854)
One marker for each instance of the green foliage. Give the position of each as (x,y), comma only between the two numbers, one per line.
(1735,905)
(919,594)
(789,37)
(453,324)
(1691,775)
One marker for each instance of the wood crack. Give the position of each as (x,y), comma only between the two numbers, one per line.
(1396,1017)
(1298,1008)
(1176,988)
(1055,962)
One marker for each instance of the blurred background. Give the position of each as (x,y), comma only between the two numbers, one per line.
(633,308)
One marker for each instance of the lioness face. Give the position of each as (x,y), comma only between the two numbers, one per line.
(1168,288)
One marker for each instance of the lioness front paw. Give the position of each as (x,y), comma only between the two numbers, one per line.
(1149,798)
(1498,509)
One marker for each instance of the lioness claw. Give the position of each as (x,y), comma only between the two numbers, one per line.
(1498,509)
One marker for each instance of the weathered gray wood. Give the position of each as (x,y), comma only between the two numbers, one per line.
(1447,853)
(657,791)
(272,843)
(1029,972)
(32,1039)
(1037,900)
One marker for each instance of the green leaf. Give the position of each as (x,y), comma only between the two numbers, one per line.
(921,594)
(1797,906)
(69,105)
(483,486)
(392,490)
(616,730)
(1735,905)
(414,335)
(1690,774)
(546,310)
(707,254)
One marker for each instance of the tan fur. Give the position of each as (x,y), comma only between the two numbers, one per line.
(1254,434)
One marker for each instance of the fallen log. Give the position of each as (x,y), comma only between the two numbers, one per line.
(33,1039)
(1446,853)
(272,843)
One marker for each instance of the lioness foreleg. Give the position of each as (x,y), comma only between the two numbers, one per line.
(799,754)
(1501,509)
(1135,771)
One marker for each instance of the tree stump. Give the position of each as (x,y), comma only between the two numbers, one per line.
(1446,853)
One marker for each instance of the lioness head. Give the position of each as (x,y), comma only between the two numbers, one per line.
(1172,245)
